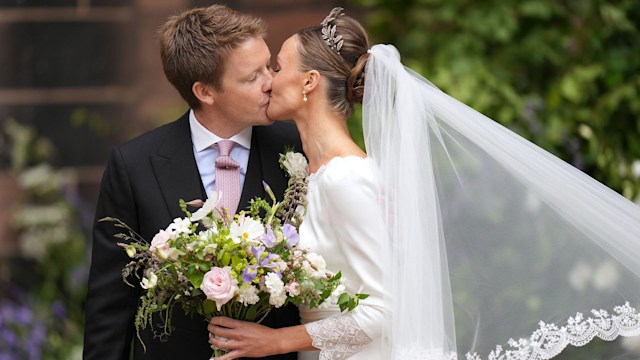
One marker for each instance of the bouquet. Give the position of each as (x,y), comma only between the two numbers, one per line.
(240,267)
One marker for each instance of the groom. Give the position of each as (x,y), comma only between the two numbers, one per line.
(217,59)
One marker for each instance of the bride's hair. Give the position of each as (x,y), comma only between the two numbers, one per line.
(342,65)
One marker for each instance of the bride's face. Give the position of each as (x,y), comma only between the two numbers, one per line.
(287,84)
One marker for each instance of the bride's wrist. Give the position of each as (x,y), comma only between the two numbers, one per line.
(279,341)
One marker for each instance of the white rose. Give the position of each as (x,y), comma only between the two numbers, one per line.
(295,163)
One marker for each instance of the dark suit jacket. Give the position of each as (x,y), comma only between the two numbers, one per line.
(141,186)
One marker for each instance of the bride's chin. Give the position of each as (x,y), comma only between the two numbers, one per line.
(274,115)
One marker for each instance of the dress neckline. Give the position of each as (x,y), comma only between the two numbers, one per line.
(333,160)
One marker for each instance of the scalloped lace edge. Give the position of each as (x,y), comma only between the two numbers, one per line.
(549,340)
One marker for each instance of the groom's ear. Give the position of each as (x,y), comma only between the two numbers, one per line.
(312,81)
(203,92)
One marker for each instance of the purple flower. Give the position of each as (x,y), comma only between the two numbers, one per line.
(250,273)
(34,344)
(268,239)
(23,316)
(39,333)
(7,313)
(291,234)
(257,252)
(8,337)
(264,262)
(58,310)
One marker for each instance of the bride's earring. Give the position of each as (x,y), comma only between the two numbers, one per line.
(304,96)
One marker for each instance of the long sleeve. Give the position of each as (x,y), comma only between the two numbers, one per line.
(111,304)
(348,193)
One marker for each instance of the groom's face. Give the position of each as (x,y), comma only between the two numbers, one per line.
(246,84)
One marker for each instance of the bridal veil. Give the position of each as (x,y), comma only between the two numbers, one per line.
(499,249)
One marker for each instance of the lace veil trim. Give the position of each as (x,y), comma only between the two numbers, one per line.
(550,340)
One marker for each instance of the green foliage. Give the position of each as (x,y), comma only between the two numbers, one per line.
(47,274)
(565,75)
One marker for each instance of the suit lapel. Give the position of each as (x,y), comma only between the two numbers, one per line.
(263,166)
(176,169)
(253,179)
(268,156)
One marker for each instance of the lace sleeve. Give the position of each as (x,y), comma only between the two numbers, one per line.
(337,337)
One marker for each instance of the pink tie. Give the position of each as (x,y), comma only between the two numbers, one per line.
(227,178)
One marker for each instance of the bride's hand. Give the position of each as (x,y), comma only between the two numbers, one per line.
(241,338)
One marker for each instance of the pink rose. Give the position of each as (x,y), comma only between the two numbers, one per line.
(293,288)
(160,245)
(160,241)
(218,285)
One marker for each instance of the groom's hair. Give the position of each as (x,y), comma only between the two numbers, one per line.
(195,45)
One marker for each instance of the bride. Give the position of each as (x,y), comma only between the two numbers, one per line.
(471,241)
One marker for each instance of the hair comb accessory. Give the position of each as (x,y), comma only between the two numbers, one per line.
(329,31)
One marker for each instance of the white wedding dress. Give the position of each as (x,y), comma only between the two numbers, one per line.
(344,224)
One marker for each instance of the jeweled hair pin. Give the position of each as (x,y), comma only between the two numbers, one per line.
(329,31)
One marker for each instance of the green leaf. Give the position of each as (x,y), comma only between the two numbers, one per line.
(235,261)
(343,299)
(209,307)
(195,277)
(352,304)
(226,259)
(336,277)
(343,307)
(325,294)
(252,311)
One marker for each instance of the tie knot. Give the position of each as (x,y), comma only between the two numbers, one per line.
(224,161)
(225,147)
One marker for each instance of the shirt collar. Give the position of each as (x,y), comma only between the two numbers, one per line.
(203,138)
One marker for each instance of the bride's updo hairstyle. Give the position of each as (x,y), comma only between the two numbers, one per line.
(338,50)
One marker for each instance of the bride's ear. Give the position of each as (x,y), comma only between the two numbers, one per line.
(312,81)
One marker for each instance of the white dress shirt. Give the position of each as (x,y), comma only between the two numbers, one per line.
(206,152)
